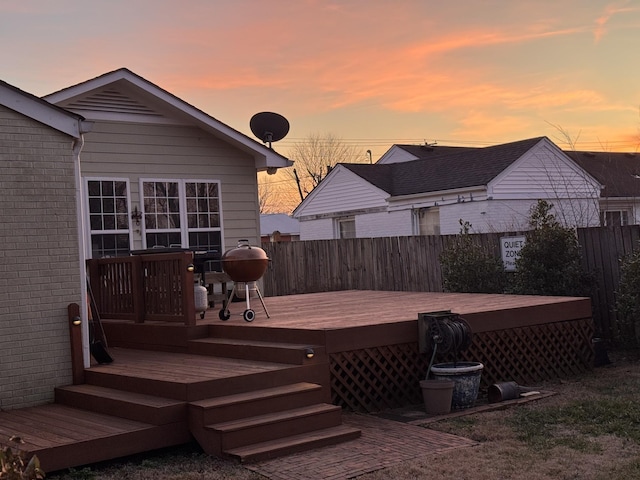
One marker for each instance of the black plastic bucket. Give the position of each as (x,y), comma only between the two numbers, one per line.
(499,392)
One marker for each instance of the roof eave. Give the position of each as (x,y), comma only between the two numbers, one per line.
(53,116)
(452,191)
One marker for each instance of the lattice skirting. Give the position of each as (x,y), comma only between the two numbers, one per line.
(379,378)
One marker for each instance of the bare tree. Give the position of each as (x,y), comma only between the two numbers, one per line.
(316,156)
(276,193)
(571,207)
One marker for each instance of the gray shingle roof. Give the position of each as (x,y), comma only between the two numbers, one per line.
(443,168)
(618,172)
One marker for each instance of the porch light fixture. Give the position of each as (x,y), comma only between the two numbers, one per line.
(309,353)
(190,267)
(136,215)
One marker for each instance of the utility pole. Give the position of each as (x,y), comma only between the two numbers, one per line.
(298,183)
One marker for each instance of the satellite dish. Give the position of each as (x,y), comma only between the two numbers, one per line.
(269,127)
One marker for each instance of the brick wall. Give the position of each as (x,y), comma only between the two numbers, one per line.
(39,269)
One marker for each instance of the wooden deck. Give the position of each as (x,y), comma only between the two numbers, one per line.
(252,390)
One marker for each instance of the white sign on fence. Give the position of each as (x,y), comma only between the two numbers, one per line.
(510,248)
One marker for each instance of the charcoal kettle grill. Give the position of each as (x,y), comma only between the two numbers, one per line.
(245,265)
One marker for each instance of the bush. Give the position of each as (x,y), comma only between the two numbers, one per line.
(468,267)
(14,466)
(550,260)
(628,301)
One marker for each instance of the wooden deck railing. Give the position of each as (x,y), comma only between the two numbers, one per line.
(155,287)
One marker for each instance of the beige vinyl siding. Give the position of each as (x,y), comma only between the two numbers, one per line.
(136,151)
(39,260)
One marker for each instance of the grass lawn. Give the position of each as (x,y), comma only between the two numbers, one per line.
(589,430)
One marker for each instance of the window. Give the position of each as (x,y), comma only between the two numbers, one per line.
(161,213)
(614,218)
(346,227)
(108,217)
(427,221)
(182,213)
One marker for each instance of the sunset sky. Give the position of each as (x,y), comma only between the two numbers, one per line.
(373,72)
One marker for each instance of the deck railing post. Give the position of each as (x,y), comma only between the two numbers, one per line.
(188,299)
(137,284)
(75,336)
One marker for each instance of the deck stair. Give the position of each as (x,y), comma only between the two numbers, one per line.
(283,419)
(133,406)
(240,395)
(268,351)
(263,344)
(263,423)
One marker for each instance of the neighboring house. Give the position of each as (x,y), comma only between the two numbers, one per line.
(279,227)
(152,170)
(427,190)
(40,267)
(619,173)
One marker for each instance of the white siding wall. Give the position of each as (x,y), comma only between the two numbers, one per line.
(173,152)
(380,224)
(544,172)
(396,155)
(384,224)
(510,215)
(320,229)
(39,260)
(342,191)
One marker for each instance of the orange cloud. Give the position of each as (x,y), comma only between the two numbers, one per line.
(609,12)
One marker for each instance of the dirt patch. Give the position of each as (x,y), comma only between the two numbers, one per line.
(570,445)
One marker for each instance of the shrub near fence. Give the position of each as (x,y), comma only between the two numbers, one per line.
(412,264)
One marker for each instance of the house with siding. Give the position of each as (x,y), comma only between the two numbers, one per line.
(427,190)
(158,172)
(100,169)
(619,173)
(41,262)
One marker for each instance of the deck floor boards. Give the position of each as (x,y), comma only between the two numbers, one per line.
(335,310)
(181,368)
(54,425)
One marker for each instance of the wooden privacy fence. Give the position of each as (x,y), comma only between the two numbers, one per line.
(603,250)
(156,287)
(412,264)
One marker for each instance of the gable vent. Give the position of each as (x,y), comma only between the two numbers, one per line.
(113,101)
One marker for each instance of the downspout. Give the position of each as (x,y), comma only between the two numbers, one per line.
(78,143)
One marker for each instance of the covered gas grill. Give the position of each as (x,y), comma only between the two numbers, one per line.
(245,265)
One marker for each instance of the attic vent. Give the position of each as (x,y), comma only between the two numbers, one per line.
(110,100)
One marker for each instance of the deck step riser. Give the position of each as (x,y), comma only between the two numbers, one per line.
(284,335)
(262,353)
(129,409)
(259,453)
(111,447)
(260,406)
(210,388)
(281,429)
